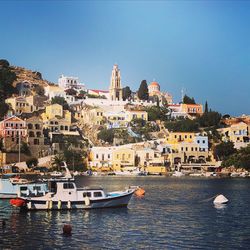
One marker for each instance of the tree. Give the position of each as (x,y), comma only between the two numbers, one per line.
(126,93)
(4,107)
(206,107)
(223,150)
(240,159)
(184,125)
(208,119)
(143,91)
(7,77)
(57,161)
(60,100)
(106,135)
(25,148)
(71,92)
(188,100)
(157,113)
(32,162)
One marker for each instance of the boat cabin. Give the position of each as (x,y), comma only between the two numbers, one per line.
(67,190)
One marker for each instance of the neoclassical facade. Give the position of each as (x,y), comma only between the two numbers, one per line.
(115,88)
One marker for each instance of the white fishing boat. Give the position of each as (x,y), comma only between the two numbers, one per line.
(63,194)
(178,174)
(16,186)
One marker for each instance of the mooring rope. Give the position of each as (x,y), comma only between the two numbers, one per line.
(209,199)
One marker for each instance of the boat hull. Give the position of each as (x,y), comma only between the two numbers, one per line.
(107,202)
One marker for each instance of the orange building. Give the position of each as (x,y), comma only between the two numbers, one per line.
(192,109)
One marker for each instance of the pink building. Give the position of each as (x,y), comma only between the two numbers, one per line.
(11,130)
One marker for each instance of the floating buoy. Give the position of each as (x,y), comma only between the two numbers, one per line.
(220,199)
(140,192)
(59,204)
(67,229)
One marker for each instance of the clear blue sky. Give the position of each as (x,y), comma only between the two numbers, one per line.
(201,46)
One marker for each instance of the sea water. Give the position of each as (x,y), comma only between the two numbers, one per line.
(175,213)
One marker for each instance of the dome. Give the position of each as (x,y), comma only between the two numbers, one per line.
(154,84)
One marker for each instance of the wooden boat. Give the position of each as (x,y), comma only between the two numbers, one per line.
(63,194)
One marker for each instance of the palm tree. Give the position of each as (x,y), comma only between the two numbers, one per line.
(57,161)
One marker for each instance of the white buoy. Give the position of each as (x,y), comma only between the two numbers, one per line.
(220,199)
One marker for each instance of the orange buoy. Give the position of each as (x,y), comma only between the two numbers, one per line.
(140,192)
(67,229)
(18,202)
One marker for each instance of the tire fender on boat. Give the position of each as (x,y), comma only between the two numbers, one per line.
(29,205)
(59,204)
(50,204)
(86,201)
(69,204)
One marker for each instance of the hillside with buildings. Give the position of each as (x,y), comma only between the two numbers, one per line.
(114,129)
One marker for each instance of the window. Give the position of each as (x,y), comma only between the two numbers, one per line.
(198,141)
(203,141)
(38,188)
(68,185)
(88,194)
(97,194)
(96,156)
(108,156)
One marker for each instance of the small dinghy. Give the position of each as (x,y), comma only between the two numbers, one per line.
(220,199)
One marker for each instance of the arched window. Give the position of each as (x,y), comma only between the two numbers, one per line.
(30,126)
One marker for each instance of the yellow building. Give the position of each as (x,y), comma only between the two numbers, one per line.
(187,147)
(123,157)
(19,105)
(238,133)
(177,137)
(56,119)
(151,161)
(136,114)
(92,115)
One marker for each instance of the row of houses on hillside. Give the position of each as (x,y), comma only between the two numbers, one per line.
(153,156)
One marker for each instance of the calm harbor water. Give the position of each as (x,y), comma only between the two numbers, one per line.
(174,214)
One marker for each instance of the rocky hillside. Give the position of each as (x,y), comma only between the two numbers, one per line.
(33,77)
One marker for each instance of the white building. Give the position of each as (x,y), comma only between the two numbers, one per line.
(70,82)
(52,91)
(101,157)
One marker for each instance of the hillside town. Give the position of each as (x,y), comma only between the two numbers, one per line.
(113,130)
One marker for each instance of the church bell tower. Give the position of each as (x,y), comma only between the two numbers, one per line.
(115,88)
